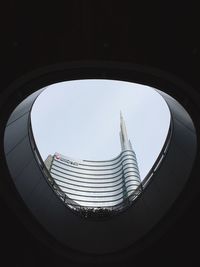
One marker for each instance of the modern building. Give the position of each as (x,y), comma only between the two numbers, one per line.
(98,184)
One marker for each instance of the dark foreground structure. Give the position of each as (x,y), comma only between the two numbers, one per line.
(43,199)
(155,45)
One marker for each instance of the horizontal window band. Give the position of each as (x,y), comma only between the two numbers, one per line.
(115,204)
(85,178)
(131,183)
(93,180)
(99,201)
(87,173)
(92,185)
(85,191)
(133,178)
(84,181)
(93,199)
(94,196)
(124,179)
(130,163)
(90,174)
(133,174)
(99,166)
(133,162)
(128,167)
(98,192)
(87,186)
(123,193)
(82,170)
(91,205)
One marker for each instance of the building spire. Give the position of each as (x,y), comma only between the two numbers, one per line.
(125,142)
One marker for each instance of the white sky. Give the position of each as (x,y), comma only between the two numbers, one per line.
(81,119)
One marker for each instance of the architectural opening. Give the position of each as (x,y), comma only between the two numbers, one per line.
(99,184)
(86,130)
(97,187)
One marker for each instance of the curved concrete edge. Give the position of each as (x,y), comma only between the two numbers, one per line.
(104,236)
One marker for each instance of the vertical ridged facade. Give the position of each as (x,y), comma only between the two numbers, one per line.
(98,183)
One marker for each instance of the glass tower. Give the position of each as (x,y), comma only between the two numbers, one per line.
(98,184)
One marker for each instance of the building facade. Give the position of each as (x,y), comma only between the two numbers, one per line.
(98,184)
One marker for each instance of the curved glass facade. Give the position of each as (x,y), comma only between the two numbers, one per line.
(97,183)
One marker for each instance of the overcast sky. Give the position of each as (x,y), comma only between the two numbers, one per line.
(81,119)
